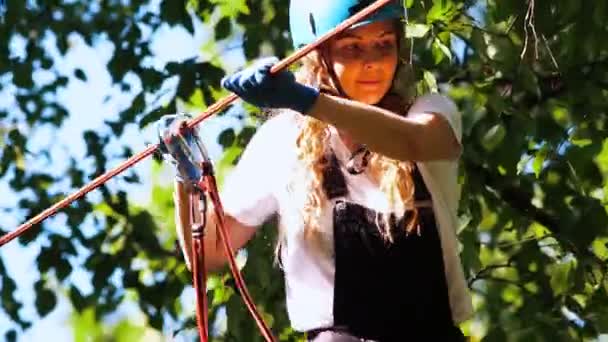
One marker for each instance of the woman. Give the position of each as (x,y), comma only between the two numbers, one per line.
(362,178)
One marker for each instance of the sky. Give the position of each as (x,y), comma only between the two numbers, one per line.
(85,102)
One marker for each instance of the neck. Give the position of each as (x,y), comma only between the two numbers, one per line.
(348,141)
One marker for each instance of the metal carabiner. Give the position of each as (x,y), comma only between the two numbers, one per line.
(183,143)
(202,151)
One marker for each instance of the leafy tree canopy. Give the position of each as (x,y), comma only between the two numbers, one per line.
(531,80)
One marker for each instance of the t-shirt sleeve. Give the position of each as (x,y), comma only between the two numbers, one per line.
(249,192)
(442,105)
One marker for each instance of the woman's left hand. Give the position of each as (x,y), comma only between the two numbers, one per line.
(259,87)
(181,147)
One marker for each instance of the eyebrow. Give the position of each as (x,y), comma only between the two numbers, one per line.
(351,35)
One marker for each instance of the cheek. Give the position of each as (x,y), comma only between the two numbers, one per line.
(391,63)
(345,72)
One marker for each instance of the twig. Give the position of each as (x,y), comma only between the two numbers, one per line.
(529,22)
(482,274)
(550,52)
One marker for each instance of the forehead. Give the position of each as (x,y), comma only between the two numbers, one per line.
(370,31)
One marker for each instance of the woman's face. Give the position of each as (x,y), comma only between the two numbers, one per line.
(365,59)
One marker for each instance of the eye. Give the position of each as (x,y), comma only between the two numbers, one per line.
(352,47)
(351,50)
(386,45)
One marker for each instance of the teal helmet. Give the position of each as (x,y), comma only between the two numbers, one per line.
(310,19)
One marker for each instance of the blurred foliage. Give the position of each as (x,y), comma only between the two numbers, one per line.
(87,328)
(530,78)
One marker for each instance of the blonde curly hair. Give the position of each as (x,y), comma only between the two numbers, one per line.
(394,177)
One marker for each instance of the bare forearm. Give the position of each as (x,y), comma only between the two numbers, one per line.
(385,132)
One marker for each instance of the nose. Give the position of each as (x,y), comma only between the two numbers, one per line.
(372,58)
(371,61)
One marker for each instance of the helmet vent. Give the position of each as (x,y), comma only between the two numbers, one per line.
(313,26)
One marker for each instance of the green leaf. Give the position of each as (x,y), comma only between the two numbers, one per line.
(213,282)
(10,336)
(539,160)
(221,295)
(45,301)
(176,13)
(227,138)
(196,102)
(440,51)
(581,142)
(470,251)
(562,275)
(600,248)
(63,268)
(223,28)
(529,81)
(85,327)
(126,331)
(430,81)
(494,137)
(80,75)
(232,8)
(416,30)
(443,11)
(602,161)
(230,156)
(78,301)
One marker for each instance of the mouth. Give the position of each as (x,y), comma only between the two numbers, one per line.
(370,83)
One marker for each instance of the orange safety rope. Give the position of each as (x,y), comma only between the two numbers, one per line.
(211,186)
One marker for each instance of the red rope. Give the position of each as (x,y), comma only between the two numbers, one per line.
(200,281)
(97,182)
(238,277)
(199,272)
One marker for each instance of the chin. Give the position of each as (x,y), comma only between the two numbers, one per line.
(369,99)
(373,101)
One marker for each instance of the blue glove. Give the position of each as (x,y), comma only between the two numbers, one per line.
(257,86)
(181,147)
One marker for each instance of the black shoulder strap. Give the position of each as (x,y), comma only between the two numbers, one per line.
(421,192)
(334,183)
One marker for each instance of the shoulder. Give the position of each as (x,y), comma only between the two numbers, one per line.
(439,105)
(284,125)
(274,140)
(434,103)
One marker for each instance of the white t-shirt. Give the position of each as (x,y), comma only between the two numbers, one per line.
(262,185)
